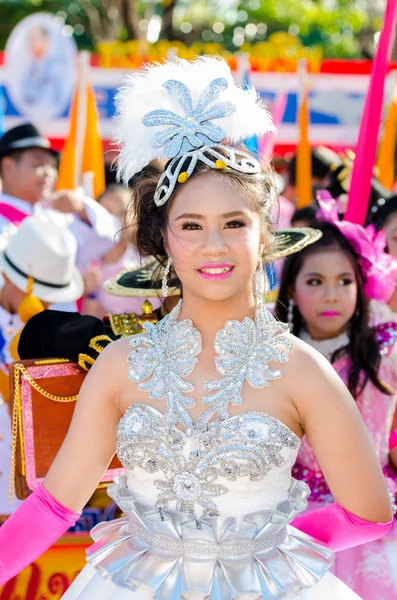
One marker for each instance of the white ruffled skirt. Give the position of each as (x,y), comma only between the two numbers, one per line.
(145,555)
(89,585)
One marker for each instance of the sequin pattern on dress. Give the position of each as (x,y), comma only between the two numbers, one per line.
(245,446)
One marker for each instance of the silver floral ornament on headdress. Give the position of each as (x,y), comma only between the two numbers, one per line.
(196,129)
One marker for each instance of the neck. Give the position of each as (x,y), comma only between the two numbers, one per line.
(393,302)
(320,336)
(210,316)
(10,191)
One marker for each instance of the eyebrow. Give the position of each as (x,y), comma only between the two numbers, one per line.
(320,275)
(235,213)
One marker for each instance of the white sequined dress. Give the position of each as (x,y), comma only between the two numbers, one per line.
(206,509)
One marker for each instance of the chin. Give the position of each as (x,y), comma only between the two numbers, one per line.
(332,329)
(215,293)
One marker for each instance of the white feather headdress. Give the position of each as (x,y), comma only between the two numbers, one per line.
(181,108)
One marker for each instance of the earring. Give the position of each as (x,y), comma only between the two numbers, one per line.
(260,281)
(164,283)
(290,314)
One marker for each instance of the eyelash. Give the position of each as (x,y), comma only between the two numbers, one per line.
(346,281)
(193,226)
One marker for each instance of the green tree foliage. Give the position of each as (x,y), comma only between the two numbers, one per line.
(344,28)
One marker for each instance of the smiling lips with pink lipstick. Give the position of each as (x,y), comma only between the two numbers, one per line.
(216,271)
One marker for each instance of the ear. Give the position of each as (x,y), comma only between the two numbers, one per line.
(7,164)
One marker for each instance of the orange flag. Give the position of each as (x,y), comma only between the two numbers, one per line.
(303,151)
(82,163)
(387,147)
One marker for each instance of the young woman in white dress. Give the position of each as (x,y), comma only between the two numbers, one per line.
(208,415)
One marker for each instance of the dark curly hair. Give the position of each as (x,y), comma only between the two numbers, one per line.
(148,221)
(363,348)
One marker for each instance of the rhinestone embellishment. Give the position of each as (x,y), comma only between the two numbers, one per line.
(187,487)
(223,449)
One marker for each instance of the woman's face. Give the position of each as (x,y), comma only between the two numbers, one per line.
(390,228)
(214,237)
(326,293)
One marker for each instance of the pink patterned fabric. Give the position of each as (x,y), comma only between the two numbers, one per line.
(379,269)
(370,569)
(43,520)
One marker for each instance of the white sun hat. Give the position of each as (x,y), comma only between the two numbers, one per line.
(46,252)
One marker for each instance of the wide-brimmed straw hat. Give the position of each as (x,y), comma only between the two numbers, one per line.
(145,280)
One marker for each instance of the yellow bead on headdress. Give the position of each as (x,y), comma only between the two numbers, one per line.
(220,164)
(182,177)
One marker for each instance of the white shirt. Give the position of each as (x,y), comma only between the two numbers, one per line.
(93,242)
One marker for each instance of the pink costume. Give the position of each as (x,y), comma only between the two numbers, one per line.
(370,569)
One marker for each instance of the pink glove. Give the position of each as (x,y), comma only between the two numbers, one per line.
(393,440)
(31,530)
(339,528)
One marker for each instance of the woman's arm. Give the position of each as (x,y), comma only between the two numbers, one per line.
(333,425)
(90,443)
(79,465)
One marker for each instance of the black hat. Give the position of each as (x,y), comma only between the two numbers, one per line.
(382,212)
(340,184)
(23,137)
(323,160)
(58,334)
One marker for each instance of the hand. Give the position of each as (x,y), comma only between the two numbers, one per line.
(92,280)
(68,201)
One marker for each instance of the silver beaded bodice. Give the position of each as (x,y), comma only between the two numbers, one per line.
(191,468)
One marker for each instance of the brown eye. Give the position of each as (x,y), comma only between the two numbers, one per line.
(234,224)
(191,226)
(313,282)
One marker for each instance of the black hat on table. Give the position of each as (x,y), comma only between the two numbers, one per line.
(24,137)
(58,334)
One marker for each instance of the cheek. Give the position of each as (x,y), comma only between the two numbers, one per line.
(350,298)
(182,246)
(392,247)
(307,299)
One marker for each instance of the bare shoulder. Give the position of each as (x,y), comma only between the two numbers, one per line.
(311,381)
(117,352)
(302,357)
(110,373)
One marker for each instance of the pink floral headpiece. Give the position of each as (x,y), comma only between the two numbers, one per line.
(379,269)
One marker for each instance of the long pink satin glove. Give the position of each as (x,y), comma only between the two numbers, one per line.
(31,530)
(339,528)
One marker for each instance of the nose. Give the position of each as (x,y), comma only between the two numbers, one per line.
(214,244)
(46,170)
(331,292)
